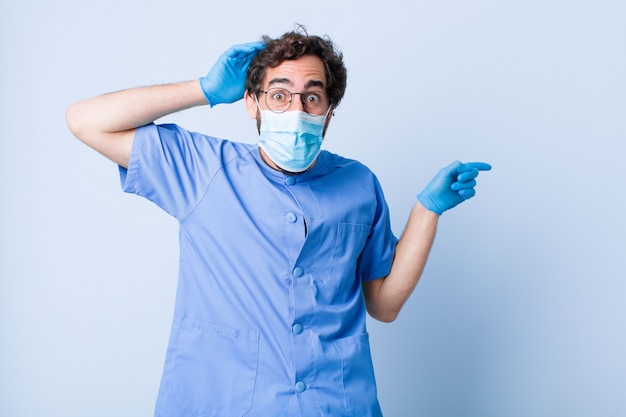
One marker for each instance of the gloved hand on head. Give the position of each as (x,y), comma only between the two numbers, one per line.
(225,83)
(451,186)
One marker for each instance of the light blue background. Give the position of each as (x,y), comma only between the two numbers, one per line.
(521,311)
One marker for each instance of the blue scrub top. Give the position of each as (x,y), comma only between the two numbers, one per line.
(269,317)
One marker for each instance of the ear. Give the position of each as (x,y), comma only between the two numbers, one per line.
(251,105)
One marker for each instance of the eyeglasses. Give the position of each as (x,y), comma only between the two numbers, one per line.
(279,100)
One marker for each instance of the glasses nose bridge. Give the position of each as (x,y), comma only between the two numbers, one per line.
(299,101)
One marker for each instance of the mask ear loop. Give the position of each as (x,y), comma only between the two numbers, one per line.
(259,114)
(331,109)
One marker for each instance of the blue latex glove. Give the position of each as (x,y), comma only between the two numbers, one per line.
(225,83)
(451,186)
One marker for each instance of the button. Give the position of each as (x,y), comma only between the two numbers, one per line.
(297,328)
(290,181)
(300,386)
(298,272)
(291,218)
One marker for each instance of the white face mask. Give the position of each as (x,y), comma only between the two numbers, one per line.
(292,139)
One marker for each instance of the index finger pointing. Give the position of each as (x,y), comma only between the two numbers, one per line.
(468,166)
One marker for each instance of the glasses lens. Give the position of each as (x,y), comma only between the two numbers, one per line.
(315,102)
(278,99)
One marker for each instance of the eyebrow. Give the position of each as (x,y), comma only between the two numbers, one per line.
(309,84)
(279,81)
(314,83)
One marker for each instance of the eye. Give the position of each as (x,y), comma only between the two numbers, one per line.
(278,95)
(313,98)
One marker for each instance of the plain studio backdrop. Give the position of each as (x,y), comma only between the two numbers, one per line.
(521,311)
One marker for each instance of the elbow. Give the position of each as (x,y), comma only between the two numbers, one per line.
(78,123)
(380,305)
(72,119)
(385,316)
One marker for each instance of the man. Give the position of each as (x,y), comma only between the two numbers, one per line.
(283,247)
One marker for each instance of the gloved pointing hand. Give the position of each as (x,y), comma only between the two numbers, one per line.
(225,83)
(451,186)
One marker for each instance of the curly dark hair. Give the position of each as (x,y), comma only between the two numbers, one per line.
(291,46)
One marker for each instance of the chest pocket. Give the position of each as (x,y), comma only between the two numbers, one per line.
(351,238)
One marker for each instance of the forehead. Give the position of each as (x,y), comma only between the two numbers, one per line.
(300,73)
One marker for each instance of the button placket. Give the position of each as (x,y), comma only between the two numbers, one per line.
(304,356)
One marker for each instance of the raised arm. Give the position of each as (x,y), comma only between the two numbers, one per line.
(107,123)
(454,184)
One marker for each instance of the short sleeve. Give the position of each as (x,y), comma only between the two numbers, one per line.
(172,167)
(379,250)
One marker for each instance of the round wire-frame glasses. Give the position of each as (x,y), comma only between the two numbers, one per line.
(279,100)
